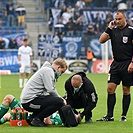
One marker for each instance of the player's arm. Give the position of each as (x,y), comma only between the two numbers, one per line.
(19,59)
(47,121)
(31,60)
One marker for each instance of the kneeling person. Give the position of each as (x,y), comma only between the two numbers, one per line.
(81,93)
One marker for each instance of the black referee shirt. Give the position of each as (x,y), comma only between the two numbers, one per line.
(121,41)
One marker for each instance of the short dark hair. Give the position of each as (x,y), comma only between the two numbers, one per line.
(121,11)
(25,39)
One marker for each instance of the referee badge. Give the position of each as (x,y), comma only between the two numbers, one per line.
(125,39)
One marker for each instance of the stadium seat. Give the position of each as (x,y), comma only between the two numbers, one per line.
(0,28)
(13,29)
(7,30)
(1,13)
(4,21)
(20,29)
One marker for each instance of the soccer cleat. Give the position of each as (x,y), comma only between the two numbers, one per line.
(106,118)
(38,123)
(89,121)
(29,119)
(123,118)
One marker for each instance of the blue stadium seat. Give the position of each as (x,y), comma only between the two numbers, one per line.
(13,29)
(6,30)
(4,21)
(1,13)
(20,29)
(1,29)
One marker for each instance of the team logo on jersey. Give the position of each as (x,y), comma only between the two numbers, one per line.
(125,39)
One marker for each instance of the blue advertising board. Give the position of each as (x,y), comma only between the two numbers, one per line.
(9,60)
(71,47)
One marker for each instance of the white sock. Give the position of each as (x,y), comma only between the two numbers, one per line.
(20,83)
(25,81)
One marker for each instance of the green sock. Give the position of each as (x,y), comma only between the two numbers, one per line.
(3,110)
(2,120)
(15,104)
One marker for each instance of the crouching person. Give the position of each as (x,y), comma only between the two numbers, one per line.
(81,93)
(40,96)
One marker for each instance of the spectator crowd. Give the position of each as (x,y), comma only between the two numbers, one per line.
(13,14)
(12,20)
(72,20)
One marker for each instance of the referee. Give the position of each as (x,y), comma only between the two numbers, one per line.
(121,35)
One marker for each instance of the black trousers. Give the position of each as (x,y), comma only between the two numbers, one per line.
(44,106)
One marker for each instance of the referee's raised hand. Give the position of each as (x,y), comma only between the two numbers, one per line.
(130,67)
(112,24)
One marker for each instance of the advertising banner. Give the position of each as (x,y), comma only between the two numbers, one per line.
(9,60)
(76,66)
(100,66)
(71,47)
(90,14)
(49,46)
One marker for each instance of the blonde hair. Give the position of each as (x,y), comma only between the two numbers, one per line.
(61,62)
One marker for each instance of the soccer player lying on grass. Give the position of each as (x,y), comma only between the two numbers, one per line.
(55,119)
(9,102)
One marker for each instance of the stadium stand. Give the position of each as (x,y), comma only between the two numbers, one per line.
(4,29)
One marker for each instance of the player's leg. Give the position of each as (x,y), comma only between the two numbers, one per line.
(26,78)
(5,105)
(21,72)
(15,104)
(27,72)
(113,80)
(111,100)
(5,118)
(8,102)
(125,102)
(127,80)
(21,80)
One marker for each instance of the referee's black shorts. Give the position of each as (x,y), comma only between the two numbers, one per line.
(119,73)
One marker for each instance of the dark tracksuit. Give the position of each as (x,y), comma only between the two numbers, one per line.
(85,98)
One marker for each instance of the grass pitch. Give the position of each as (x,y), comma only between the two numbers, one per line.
(9,85)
